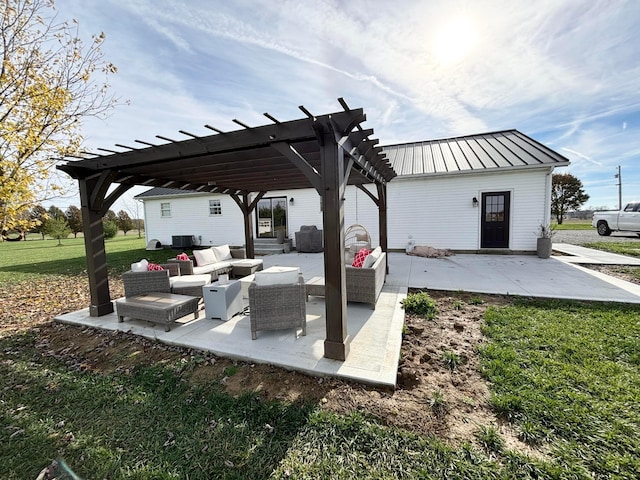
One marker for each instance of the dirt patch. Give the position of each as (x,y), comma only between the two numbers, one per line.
(628,273)
(439,391)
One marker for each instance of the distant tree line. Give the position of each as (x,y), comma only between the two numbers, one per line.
(59,224)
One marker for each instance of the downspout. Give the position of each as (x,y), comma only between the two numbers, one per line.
(547,200)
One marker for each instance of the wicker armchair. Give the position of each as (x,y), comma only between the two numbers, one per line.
(365,284)
(275,307)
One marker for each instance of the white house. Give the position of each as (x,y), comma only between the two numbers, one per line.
(485,192)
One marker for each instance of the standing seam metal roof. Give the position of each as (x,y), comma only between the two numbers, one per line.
(471,153)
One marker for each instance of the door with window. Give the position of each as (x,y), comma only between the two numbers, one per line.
(272,217)
(495,220)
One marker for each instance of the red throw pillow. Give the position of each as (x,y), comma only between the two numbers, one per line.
(182,256)
(360,256)
(154,266)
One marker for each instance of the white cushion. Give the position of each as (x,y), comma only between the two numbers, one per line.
(223,252)
(277,276)
(140,266)
(189,281)
(212,267)
(205,257)
(372,258)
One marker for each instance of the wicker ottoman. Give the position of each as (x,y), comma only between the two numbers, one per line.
(163,308)
(242,268)
(189,284)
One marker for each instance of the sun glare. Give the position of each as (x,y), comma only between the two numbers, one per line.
(454,40)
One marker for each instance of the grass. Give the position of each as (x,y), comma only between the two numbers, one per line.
(569,373)
(21,260)
(451,360)
(154,423)
(573,225)
(623,248)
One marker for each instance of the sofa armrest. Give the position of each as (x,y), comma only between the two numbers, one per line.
(172,267)
(238,252)
(186,266)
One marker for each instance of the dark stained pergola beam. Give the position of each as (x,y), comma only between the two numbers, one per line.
(300,163)
(293,131)
(256,159)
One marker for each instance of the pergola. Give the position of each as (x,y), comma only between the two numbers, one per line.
(326,153)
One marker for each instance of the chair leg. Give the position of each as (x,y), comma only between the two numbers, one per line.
(253,335)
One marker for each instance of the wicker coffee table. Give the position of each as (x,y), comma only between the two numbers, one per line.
(163,308)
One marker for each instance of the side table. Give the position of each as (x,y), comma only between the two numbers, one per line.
(315,287)
(249,266)
(222,300)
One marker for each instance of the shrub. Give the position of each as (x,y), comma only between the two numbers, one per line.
(421,304)
(110,229)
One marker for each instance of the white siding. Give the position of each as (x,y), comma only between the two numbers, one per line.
(439,211)
(434,211)
(190,216)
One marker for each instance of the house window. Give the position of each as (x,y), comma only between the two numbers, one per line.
(165,209)
(215,207)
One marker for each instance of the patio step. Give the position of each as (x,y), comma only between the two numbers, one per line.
(269,246)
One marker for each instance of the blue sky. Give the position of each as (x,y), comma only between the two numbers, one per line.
(565,72)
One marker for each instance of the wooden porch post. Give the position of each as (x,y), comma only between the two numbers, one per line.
(336,345)
(95,251)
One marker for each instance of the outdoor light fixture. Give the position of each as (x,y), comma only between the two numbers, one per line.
(475,202)
(291,201)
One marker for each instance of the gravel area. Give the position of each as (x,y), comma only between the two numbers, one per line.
(580,237)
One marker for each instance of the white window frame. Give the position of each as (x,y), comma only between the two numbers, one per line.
(215,208)
(165,210)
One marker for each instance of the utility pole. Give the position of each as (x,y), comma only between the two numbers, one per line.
(619,177)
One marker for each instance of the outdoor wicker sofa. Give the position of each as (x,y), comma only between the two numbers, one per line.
(275,307)
(215,261)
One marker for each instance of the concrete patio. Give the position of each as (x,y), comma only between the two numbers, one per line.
(376,335)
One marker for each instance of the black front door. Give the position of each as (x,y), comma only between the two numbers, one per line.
(495,220)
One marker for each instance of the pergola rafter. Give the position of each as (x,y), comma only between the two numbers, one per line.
(326,153)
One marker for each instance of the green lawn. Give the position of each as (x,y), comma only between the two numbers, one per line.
(565,375)
(569,374)
(573,225)
(623,248)
(21,260)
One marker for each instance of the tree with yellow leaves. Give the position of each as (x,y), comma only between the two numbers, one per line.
(47,86)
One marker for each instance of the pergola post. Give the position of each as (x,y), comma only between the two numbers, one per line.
(247,210)
(336,344)
(382,218)
(95,250)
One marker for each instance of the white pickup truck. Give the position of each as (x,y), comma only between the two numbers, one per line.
(626,220)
